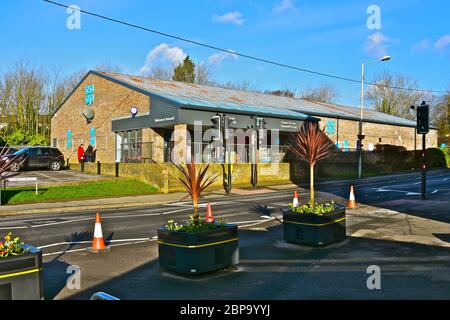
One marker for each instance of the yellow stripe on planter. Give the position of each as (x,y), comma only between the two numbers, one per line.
(19,273)
(197,246)
(316,225)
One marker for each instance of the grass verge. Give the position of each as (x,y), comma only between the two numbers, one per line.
(79,191)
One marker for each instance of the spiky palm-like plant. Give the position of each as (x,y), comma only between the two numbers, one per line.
(7,161)
(311,144)
(195,182)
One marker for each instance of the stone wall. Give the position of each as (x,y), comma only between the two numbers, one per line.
(347,130)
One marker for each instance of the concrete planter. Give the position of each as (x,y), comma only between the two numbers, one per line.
(197,253)
(314,230)
(21,276)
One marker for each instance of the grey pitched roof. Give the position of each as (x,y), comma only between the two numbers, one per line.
(208,97)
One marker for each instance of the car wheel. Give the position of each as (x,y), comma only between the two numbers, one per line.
(15,167)
(55,166)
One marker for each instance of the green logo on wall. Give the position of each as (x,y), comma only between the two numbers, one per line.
(90,95)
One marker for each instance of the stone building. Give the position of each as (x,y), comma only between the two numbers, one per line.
(137,119)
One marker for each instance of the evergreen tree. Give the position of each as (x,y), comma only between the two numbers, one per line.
(185,72)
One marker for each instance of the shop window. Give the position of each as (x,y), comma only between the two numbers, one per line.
(131,149)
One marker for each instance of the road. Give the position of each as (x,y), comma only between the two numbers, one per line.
(413,265)
(56,233)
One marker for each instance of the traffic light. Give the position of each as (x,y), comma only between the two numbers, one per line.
(217,122)
(423,122)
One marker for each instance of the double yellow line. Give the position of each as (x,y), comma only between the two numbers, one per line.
(317,225)
(197,246)
(16,274)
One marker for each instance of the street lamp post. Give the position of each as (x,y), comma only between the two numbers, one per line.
(361,136)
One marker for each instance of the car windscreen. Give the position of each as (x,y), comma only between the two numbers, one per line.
(22,151)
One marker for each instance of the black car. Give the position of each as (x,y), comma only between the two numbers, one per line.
(37,158)
(7,151)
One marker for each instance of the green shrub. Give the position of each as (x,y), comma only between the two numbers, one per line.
(435,158)
(317,209)
(396,157)
(21,138)
(446,152)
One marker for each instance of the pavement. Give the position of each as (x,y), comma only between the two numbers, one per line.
(409,182)
(409,240)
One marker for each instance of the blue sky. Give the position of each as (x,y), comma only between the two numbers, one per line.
(322,35)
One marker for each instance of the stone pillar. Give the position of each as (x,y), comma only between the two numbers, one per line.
(157,146)
(180,138)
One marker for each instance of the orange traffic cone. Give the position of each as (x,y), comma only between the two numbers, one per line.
(98,244)
(209,214)
(352,202)
(295,201)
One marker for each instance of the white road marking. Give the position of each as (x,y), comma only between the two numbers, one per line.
(84,242)
(13,228)
(60,222)
(435,191)
(130,241)
(85,219)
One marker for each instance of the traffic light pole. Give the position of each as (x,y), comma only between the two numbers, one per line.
(424,167)
(423,127)
(227,156)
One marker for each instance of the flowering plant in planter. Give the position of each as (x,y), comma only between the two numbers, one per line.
(317,208)
(195,182)
(311,144)
(197,246)
(313,224)
(11,246)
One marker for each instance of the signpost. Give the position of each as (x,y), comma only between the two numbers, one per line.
(24,179)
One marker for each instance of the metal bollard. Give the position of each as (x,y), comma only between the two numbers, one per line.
(82,165)
(117,169)
(103,296)
(98,167)
(68,163)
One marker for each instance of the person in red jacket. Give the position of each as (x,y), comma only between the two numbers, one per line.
(80,153)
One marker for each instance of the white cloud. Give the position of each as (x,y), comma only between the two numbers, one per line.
(284,5)
(421,46)
(442,42)
(235,18)
(376,45)
(162,54)
(217,58)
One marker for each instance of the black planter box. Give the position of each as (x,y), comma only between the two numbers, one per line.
(21,276)
(197,253)
(314,230)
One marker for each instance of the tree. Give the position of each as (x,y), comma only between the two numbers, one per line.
(203,75)
(281,93)
(243,85)
(185,72)
(161,73)
(388,99)
(312,144)
(440,117)
(324,93)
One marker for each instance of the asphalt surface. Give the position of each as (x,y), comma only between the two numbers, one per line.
(48,177)
(60,234)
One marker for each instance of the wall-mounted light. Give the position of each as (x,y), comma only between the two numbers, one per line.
(134,111)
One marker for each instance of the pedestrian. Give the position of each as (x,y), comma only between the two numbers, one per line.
(88,153)
(81,153)
(94,155)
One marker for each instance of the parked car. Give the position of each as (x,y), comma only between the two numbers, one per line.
(7,151)
(38,158)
